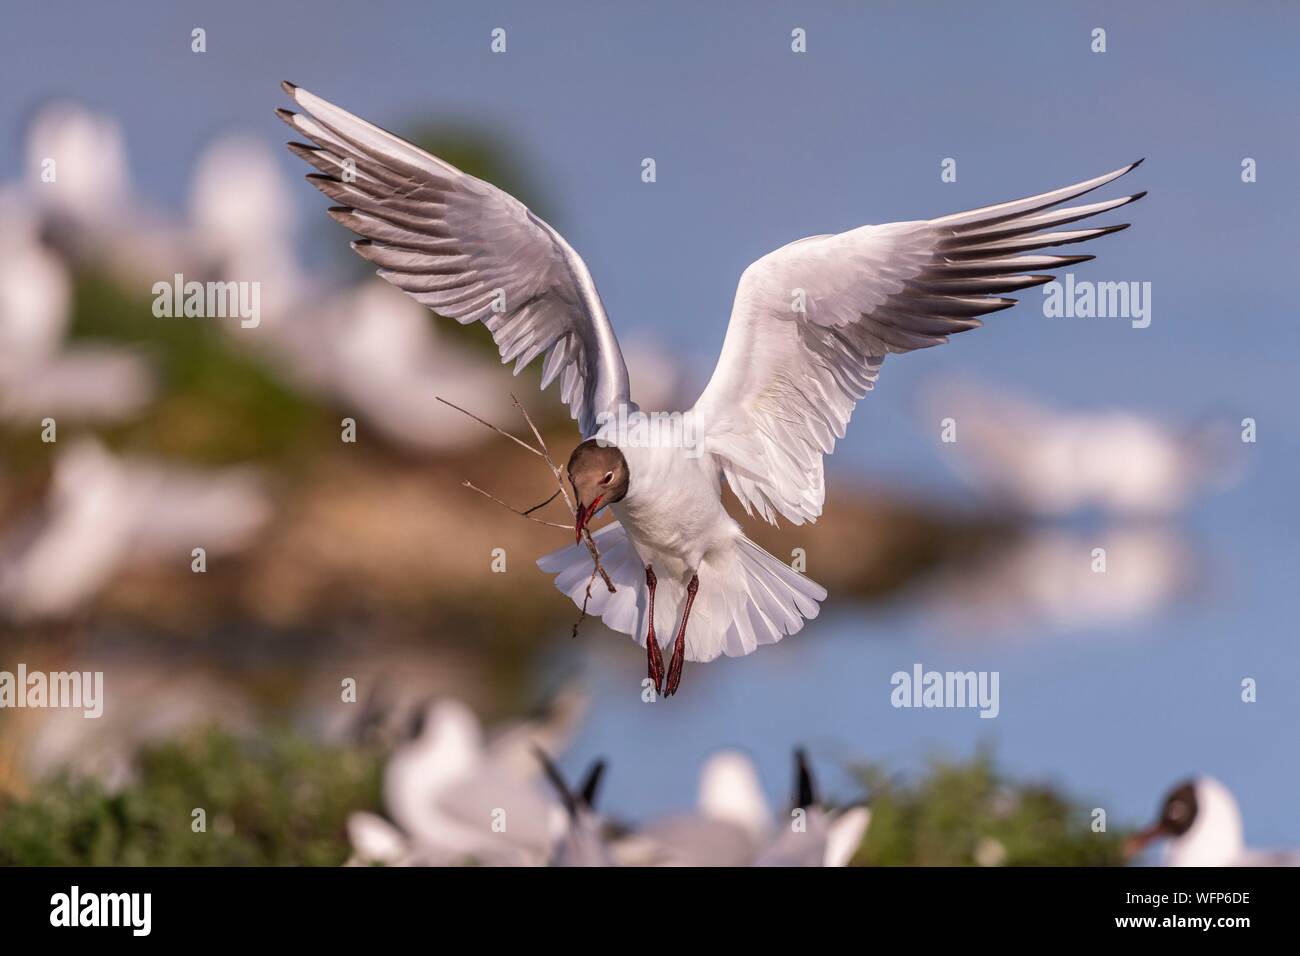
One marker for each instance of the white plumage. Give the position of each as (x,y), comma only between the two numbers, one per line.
(104,513)
(1053,462)
(1202,823)
(734,825)
(811,325)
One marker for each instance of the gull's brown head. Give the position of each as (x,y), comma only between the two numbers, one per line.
(1176,818)
(599,477)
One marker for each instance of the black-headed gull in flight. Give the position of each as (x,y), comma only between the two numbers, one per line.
(1202,824)
(811,325)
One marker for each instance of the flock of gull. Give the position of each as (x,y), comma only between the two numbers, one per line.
(451,793)
(452,796)
(455,796)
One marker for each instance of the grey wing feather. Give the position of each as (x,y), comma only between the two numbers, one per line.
(814,320)
(468,251)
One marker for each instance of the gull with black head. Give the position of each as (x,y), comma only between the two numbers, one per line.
(811,324)
(1201,825)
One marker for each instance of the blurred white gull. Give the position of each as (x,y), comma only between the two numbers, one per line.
(81,157)
(88,209)
(452,798)
(1202,823)
(103,513)
(734,825)
(385,360)
(1053,462)
(820,837)
(583,841)
(40,376)
(1045,579)
(243,218)
(731,822)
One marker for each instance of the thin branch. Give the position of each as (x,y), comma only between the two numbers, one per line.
(523,514)
(500,431)
(559,478)
(544,453)
(528,511)
(582,614)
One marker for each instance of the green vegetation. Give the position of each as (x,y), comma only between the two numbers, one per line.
(281,800)
(277,801)
(967,814)
(219,402)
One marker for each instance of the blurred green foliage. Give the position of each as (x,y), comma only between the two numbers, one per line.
(968,814)
(282,800)
(276,801)
(218,402)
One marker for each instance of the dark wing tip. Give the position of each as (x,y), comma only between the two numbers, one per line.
(1136,196)
(1138,163)
(288,87)
(805,794)
(591,786)
(556,780)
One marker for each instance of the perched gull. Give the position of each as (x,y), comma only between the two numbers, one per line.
(815,836)
(1052,462)
(583,841)
(40,375)
(733,824)
(105,512)
(78,178)
(454,798)
(1202,823)
(811,325)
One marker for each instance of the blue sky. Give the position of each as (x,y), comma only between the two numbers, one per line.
(756,146)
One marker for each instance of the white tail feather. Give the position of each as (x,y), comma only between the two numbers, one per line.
(746,596)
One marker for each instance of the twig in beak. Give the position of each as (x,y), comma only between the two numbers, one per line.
(559,478)
(544,453)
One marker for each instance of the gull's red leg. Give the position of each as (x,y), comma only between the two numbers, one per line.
(679,648)
(654,656)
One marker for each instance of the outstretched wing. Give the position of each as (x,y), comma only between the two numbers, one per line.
(814,320)
(468,251)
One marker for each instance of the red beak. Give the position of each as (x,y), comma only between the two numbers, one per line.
(1139,841)
(584,515)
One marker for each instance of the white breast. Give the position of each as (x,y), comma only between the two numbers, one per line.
(673,508)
